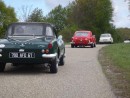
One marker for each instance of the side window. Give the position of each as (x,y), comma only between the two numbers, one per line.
(49,31)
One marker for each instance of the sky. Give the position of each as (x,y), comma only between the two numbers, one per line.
(121,15)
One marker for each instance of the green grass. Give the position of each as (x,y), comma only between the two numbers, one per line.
(115,61)
(119,54)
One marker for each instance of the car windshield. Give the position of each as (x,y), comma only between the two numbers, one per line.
(25,30)
(79,34)
(105,35)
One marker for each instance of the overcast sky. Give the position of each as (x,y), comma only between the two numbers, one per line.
(121,14)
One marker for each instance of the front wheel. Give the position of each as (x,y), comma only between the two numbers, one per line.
(2,67)
(54,66)
(62,61)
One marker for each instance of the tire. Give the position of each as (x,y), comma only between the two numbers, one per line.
(72,46)
(2,67)
(62,62)
(92,45)
(54,66)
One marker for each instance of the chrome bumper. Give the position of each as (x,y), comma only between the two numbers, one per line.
(72,42)
(49,55)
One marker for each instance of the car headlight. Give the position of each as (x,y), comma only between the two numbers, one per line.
(2,45)
(0,55)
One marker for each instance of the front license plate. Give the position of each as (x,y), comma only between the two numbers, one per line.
(21,55)
(105,40)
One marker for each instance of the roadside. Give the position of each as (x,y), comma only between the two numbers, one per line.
(115,64)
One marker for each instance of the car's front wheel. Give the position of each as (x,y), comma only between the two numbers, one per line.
(54,66)
(2,67)
(62,61)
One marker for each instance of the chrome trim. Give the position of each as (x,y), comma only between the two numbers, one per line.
(90,43)
(72,42)
(21,50)
(0,55)
(49,55)
(2,45)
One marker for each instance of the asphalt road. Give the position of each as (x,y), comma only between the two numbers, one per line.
(80,77)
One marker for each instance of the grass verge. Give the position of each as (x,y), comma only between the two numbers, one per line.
(115,61)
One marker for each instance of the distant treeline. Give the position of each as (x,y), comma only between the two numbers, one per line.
(124,33)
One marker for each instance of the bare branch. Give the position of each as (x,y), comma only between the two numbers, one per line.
(25,11)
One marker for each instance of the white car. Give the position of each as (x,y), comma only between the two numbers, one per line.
(106,38)
(127,41)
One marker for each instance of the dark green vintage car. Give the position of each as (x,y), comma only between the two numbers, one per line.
(32,43)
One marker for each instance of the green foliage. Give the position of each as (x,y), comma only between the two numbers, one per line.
(119,54)
(58,16)
(116,65)
(36,16)
(116,36)
(93,15)
(7,16)
(68,32)
(124,33)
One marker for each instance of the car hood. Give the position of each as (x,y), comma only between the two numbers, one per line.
(37,42)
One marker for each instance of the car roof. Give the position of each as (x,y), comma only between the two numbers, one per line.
(83,31)
(43,23)
(106,33)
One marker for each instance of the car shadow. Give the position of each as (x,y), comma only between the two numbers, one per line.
(25,70)
(78,47)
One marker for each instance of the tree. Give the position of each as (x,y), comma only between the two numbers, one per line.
(25,12)
(36,16)
(7,16)
(94,15)
(58,16)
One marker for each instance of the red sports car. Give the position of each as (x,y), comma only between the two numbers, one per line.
(83,38)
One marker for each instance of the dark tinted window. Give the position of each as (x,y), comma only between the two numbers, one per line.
(81,34)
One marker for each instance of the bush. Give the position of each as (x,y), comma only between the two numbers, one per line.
(68,32)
